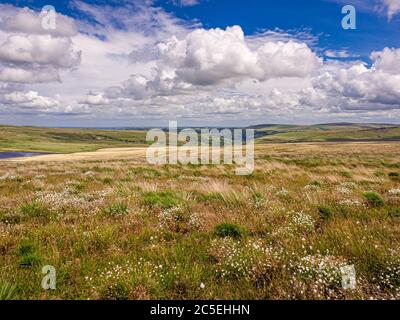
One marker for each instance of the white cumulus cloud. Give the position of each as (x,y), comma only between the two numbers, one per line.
(39,49)
(208,57)
(27,21)
(30,99)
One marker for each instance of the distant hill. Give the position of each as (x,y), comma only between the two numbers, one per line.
(331,132)
(67,140)
(63,140)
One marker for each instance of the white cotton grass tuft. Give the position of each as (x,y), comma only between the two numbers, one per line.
(394,192)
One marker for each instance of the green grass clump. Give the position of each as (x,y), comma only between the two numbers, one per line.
(258,198)
(325,212)
(107,181)
(147,173)
(394,175)
(164,199)
(316,184)
(116,209)
(379,174)
(374,199)
(33,209)
(28,256)
(10,218)
(26,248)
(225,230)
(7,291)
(345,174)
(214,196)
(29,261)
(118,292)
(394,213)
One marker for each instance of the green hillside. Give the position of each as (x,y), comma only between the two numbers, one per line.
(14,138)
(327,133)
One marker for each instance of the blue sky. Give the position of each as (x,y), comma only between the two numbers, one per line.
(294,62)
(321,17)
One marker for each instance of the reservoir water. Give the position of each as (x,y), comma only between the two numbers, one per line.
(9,155)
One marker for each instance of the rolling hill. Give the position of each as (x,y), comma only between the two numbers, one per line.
(13,138)
(334,132)
(68,140)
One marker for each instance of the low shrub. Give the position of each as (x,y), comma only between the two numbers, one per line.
(107,181)
(316,184)
(394,213)
(10,218)
(394,175)
(225,230)
(373,199)
(325,212)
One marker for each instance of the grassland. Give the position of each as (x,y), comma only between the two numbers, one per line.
(57,140)
(121,229)
(340,132)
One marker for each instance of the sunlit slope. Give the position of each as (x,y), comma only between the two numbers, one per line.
(66,140)
(327,133)
(62,140)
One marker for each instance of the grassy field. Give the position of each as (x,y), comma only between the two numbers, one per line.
(327,133)
(120,229)
(66,140)
(55,140)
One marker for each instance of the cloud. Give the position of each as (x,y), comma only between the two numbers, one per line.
(30,99)
(223,73)
(210,56)
(95,99)
(138,62)
(289,59)
(186,3)
(387,60)
(31,54)
(389,8)
(21,75)
(39,49)
(216,57)
(344,53)
(39,60)
(392,7)
(24,20)
(358,87)
(206,63)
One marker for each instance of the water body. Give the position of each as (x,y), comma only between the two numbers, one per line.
(9,155)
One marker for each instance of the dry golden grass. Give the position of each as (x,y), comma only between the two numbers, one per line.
(115,227)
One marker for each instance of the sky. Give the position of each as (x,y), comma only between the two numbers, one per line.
(143,63)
